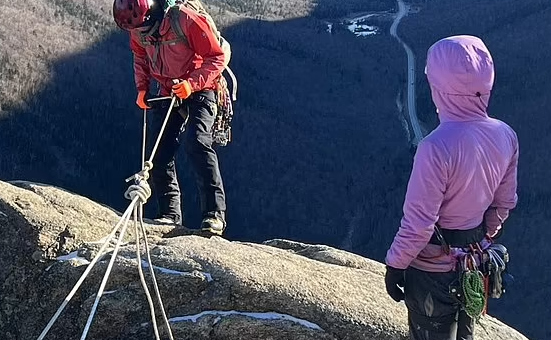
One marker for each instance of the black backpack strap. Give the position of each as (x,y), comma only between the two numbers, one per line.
(144,35)
(174,15)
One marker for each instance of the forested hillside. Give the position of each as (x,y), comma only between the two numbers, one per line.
(319,152)
(302,8)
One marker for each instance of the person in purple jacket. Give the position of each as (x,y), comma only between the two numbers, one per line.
(463,183)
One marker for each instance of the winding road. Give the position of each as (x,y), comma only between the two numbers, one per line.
(418,134)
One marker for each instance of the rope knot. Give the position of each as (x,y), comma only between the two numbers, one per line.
(141,189)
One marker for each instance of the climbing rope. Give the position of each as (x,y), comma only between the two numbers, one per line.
(153,278)
(105,278)
(472,282)
(473,290)
(172,102)
(142,277)
(144,135)
(138,194)
(142,190)
(100,254)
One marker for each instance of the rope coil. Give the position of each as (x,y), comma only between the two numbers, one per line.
(473,290)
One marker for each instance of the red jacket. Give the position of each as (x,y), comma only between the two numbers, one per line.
(200,60)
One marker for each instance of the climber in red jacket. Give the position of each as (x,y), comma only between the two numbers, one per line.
(187,68)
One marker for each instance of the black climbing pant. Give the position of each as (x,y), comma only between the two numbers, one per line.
(196,136)
(433,312)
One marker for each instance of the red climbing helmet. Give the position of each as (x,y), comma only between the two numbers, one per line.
(130,14)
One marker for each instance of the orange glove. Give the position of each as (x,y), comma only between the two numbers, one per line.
(182,89)
(140,101)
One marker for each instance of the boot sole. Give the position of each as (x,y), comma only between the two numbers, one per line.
(216,232)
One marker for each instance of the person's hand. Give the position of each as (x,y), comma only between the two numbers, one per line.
(182,89)
(394,282)
(140,101)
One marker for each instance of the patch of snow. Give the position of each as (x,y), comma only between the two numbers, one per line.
(175,272)
(68,256)
(73,256)
(357,25)
(362,30)
(3,215)
(261,316)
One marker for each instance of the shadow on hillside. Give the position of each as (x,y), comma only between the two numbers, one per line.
(309,160)
(80,131)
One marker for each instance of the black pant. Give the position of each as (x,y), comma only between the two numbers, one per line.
(196,136)
(433,313)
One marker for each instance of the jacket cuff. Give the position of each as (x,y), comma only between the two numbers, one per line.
(394,261)
(194,85)
(494,218)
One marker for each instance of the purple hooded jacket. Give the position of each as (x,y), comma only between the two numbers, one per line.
(463,171)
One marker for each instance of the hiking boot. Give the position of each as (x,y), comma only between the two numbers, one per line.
(165,220)
(214,223)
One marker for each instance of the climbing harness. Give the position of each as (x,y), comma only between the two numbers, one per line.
(482,272)
(138,194)
(449,238)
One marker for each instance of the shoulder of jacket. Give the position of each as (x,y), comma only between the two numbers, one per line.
(183,9)
(438,143)
(502,123)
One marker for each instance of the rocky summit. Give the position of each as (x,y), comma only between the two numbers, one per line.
(211,288)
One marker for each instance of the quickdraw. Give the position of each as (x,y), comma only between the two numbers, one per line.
(221,131)
(496,267)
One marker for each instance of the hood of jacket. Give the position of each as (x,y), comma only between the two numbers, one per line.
(460,71)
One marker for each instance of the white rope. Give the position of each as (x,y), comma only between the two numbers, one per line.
(234,83)
(172,102)
(142,277)
(125,215)
(144,134)
(106,276)
(153,278)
